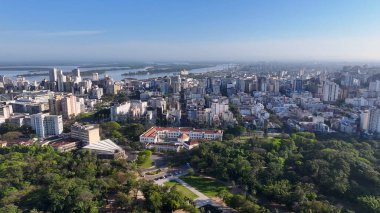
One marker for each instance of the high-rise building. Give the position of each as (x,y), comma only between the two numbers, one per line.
(95,76)
(61,79)
(55,105)
(330,91)
(46,125)
(6,111)
(76,72)
(88,134)
(96,93)
(76,75)
(69,106)
(133,108)
(364,120)
(274,85)
(374,86)
(374,120)
(262,82)
(298,85)
(53,75)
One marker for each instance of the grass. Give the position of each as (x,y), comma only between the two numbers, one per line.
(154,172)
(207,186)
(147,164)
(181,189)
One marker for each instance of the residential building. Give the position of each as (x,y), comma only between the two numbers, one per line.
(330,91)
(46,125)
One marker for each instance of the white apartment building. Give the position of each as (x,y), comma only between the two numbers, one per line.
(374,86)
(330,91)
(6,111)
(133,108)
(374,120)
(364,120)
(46,125)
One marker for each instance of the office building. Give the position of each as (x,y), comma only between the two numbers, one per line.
(298,85)
(87,134)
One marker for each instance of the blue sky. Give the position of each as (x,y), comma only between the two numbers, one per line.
(198,30)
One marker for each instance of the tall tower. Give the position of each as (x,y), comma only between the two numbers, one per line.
(53,73)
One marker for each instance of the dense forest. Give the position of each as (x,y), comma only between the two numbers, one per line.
(298,173)
(34,179)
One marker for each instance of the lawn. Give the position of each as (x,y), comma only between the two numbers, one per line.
(147,164)
(153,172)
(189,194)
(207,186)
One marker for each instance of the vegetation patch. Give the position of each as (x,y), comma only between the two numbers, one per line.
(207,186)
(183,190)
(155,172)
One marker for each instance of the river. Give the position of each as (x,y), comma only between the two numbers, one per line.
(117,75)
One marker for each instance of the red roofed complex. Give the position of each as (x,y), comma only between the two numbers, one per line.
(176,138)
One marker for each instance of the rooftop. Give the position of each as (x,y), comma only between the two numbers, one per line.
(153,131)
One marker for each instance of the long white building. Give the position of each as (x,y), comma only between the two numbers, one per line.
(174,139)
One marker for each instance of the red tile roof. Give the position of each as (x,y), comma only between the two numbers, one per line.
(153,131)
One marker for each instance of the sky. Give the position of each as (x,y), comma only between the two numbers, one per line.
(189,30)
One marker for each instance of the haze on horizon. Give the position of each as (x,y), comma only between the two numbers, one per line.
(169,30)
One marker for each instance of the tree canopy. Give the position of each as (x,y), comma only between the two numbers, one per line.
(37,178)
(300,172)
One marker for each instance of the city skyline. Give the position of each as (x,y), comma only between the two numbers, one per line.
(189,31)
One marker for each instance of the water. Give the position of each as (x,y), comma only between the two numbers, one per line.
(117,75)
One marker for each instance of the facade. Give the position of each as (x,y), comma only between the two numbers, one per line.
(88,134)
(374,86)
(69,106)
(174,139)
(95,76)
(106,149)
(364,120)
(46,125)
(96,93)
(64,146)
(134,109)
(298,85)
(6,111)
(330,91)
(55,105)
(374,120)
(53,73)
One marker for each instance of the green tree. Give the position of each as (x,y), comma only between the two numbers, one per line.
(370,203)
(7,127)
